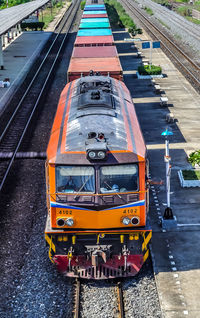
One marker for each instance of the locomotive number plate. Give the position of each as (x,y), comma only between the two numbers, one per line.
(63,212)
(131,211)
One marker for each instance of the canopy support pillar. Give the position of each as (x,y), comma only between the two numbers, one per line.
(1,55)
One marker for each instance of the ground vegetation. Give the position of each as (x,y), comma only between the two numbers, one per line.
(194,158)
(119,18)
(149,70)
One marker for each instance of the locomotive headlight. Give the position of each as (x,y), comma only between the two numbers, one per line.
(101,154)
(126,221)
(92,154)
(135,220)
(69,222)
(60,222)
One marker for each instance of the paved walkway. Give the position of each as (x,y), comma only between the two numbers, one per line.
(176,253)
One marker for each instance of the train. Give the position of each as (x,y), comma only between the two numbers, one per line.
(97,168)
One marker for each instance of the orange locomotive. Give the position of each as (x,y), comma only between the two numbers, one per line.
(95,175)
(96,166)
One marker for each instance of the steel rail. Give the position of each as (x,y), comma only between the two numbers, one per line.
(75,8)
(175,19)
(120,300)
(161,33)
(77,299)
(139,14)
(31,83)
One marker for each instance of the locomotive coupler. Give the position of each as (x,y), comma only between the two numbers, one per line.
(99,253)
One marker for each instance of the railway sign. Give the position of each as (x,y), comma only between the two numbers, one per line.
(146,45)
(156,44)
(151,45)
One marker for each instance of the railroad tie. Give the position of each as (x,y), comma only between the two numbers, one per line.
(24,155)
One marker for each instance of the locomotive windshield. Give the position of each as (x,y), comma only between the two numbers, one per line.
(75,179)
(119,178)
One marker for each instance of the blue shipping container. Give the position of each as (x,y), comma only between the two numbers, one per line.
(94,32)
(95,5)
(94,25)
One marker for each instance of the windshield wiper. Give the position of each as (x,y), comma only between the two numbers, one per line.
(113,192)
(82,187)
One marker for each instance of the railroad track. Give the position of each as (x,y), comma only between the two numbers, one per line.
(185,64)
(13,134)
(120,300)
(119,297)
(77,298)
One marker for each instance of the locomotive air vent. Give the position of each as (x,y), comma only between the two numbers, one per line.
(95,82)
(96,98)
(95,95)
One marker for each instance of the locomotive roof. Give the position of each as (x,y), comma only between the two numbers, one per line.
(97,104)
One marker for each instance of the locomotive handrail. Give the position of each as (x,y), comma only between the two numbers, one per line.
(95,194)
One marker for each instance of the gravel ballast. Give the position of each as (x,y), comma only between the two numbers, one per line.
(178,26)
(140,295)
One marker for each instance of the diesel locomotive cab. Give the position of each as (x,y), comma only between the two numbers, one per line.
(97,188)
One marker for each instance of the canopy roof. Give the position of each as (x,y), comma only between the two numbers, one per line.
(12,16)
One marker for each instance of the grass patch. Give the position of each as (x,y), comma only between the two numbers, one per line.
(49,13)
(181,1)
(149,70)
(148,10)
(191,174)
(114,18)
(196,21)
(164,3)
(184,11)
(119,18)
(11,3)
(83,4)
(197,5)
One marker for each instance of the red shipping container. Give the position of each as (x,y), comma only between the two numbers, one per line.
(94,40)
(83,66)
(94,51)
(95,16)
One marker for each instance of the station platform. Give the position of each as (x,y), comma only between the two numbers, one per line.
(20,55)
(175,252)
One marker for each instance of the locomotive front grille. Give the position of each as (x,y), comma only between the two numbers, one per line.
(98,272)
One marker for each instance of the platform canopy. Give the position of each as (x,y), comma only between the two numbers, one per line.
(12,16)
